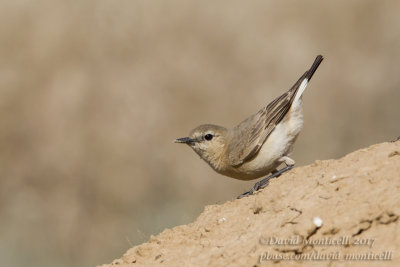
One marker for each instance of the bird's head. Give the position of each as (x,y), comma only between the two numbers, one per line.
(209,142)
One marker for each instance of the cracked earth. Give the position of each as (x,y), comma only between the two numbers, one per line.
(342,212)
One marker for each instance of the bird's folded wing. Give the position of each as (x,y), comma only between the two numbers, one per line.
(248,137)
(251,134)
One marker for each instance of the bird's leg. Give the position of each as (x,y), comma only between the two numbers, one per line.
(395,140)
(264,182)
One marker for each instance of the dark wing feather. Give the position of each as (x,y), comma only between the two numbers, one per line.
(249,136)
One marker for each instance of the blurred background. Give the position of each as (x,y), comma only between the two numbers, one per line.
(92,94)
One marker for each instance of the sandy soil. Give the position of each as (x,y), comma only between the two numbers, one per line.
(342,209)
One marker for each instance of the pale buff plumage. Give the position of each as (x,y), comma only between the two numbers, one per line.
(259,144)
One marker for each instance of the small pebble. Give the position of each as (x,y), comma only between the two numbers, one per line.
(317,221)
(222,220)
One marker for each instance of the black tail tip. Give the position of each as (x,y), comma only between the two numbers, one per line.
(314,66)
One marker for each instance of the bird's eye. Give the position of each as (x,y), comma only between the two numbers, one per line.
(208,137)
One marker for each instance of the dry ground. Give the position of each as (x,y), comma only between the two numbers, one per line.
(356,197)
(92,93)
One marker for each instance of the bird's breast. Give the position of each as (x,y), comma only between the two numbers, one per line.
(277,145)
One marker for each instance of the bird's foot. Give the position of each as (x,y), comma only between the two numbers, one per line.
(395,140)
(264,182)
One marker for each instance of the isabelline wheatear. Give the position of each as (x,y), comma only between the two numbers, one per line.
(260,143)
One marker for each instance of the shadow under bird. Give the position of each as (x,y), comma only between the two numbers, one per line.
(259,144)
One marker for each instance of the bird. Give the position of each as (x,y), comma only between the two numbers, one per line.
(259,144)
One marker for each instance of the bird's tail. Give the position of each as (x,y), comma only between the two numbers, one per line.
(302,83)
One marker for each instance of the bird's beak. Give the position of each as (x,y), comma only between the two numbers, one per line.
(184,140)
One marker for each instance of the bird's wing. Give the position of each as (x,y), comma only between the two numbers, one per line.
(249,136)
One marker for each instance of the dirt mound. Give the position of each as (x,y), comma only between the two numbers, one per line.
(332,212)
